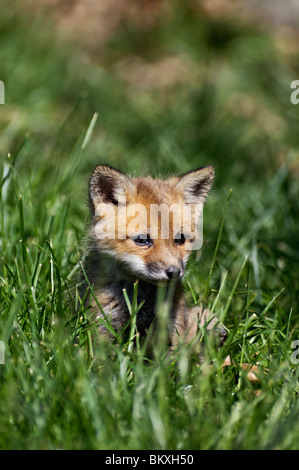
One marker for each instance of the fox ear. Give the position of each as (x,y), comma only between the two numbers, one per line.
(195,185)
(107,185)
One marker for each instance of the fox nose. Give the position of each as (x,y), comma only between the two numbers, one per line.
(173,272)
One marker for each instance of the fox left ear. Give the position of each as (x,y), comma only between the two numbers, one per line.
(195,185)
(107,185)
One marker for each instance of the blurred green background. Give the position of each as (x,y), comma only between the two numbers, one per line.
(152,86)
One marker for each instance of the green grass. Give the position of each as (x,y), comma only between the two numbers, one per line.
(58,390)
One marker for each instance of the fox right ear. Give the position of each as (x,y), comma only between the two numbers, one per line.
(107,185)
(195,185)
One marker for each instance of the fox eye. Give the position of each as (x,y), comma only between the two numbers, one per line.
(180,240)
(143,240)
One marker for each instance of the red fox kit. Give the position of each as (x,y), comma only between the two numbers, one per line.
(144,229)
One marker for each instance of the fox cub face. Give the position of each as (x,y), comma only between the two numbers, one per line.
(146,228)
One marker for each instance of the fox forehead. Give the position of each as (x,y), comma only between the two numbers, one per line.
(154,191)
(150,193)
(157,204)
